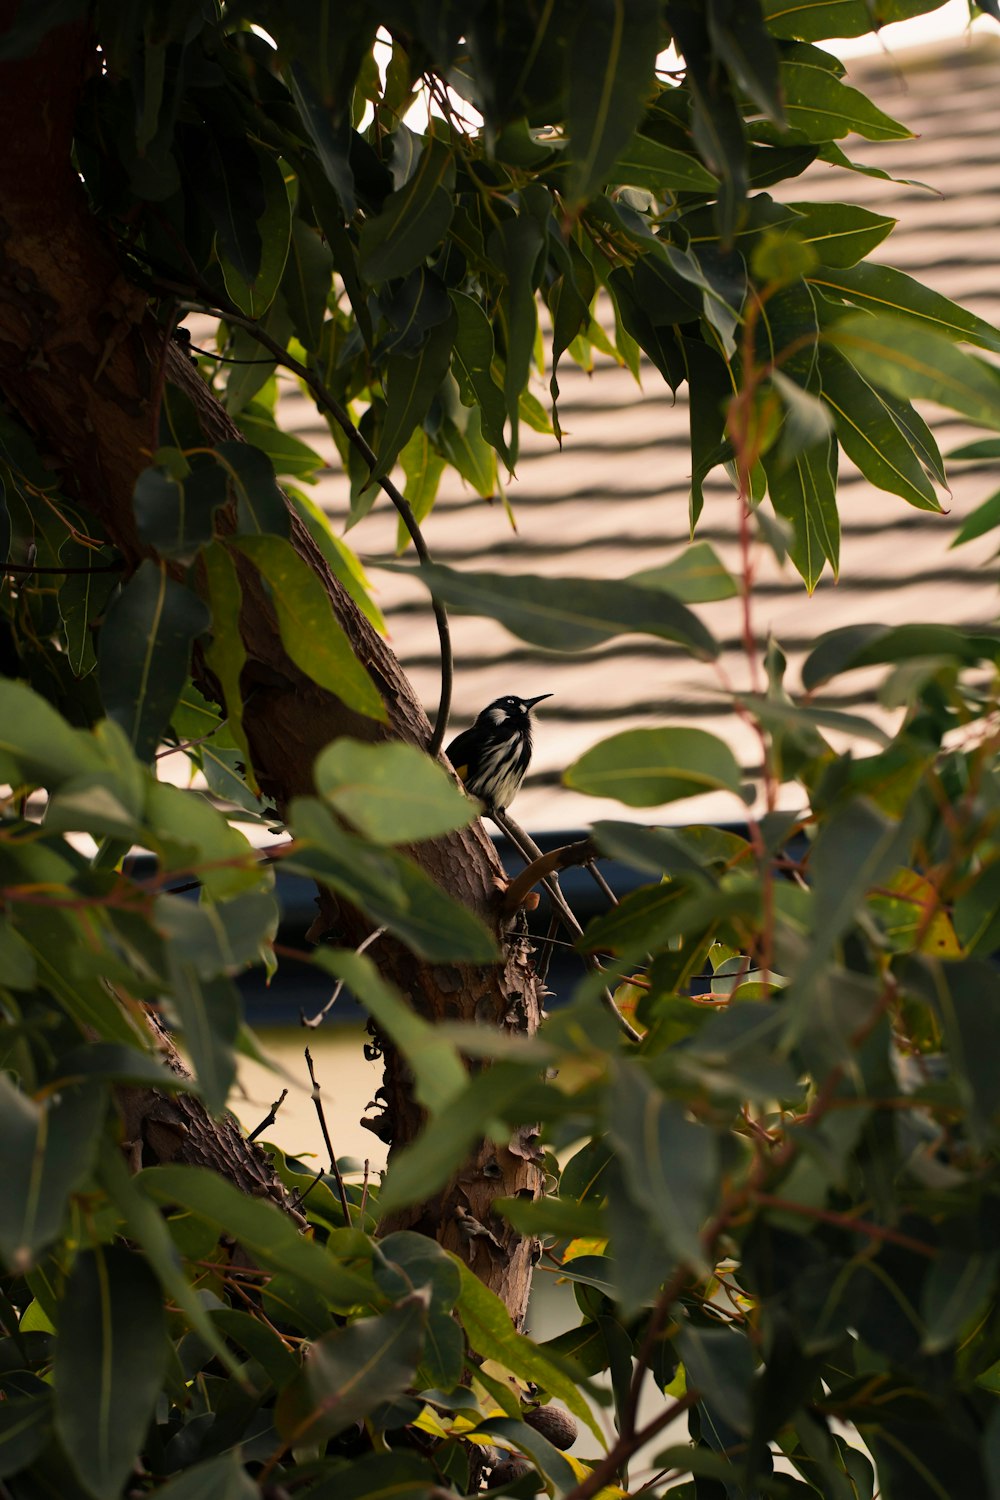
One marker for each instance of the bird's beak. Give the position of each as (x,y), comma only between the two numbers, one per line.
(532,701)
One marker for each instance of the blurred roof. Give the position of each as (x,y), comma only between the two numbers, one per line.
(614,500)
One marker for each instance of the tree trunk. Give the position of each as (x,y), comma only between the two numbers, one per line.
(82,365)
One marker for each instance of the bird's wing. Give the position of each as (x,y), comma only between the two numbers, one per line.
(458,752)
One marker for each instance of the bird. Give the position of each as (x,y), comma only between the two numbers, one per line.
(492,756)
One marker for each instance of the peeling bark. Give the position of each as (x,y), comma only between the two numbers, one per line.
(81,362)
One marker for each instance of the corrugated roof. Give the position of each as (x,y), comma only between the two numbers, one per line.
(614,500)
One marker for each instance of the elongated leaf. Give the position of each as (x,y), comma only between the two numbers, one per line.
(226,654)
(869,434)
(719,1364)
(985,517)
(870,645)
(144,653)
(473,364)
(350,1371)
(177,516)
(389,888)
(740,38)
(491,1333)
(310,632)
(25,1428)
(219,1478)
(696,576)
(413,220)
(568,614)
(46,1153)
(824,109)
(805,493)
(268,1234)
(955,1291)
(306,283)
(391,793)
(647,767)
(255,297)
(882,289)
(815,20)
(438,1072)
(840,233)
(609,77)
(210,1014)
(650,164)
(411,383)
(260,506)
(111,1357)
(668,1163)
(517,246)
(914,362)
(230,184)
(37,746)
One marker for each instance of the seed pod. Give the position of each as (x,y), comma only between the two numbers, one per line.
(553,1423)
(513,1467)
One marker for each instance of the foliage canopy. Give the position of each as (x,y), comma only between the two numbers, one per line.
(778,1207)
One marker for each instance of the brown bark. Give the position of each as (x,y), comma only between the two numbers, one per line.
(81,363)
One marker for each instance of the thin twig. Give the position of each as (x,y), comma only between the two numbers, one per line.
(364,1193)
(531,852)
(270,1117)
(328,402)
(600,882)
(313,1021)
(604,1472)
(334,1168)
(580,853)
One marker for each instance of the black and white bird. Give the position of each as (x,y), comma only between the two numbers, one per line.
(492,756)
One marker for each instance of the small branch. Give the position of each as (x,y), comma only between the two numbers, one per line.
(329,403)
(334,1168)
(270,1117)
(313,1021)
(844,1221)
(604,1473)
(364,1193)
(580,853)
(531,852)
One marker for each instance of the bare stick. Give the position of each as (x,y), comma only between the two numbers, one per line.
(313,1021)
(364,1193)
(334,1168)
(580,853)
(270,1117)
(113,567)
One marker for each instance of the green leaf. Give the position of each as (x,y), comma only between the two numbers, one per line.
(517,247)
(872,645)
(389,888)
(111,1358)
(568,614)
(411,383)
(306,283)
(472,362)
(220,1478)
(491,1334)
(696,576)
(83,598)
(288,454)
(147,1227)
(144,653)
(650,164)
(741,40)
(254,297)
(210,1014)
(669,1163)
(869,434)
(226,654)
(914,362)
(985,517)
(610,78)
(719,1364)
(260,505)
(841,234)
(17,962)
(882,289)
(176,516)
(230,184)
(395,1475)
(37,746)
(192,835)
(25,1430)
(310,632)
(351,1371)
(269,1235)
(438,1071)
(647,767)
(822,108)
(967,996)
(391,793)
(815,20)
(956,1289)
(221,937)
(805,494)
(413,220)
(46,1153)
